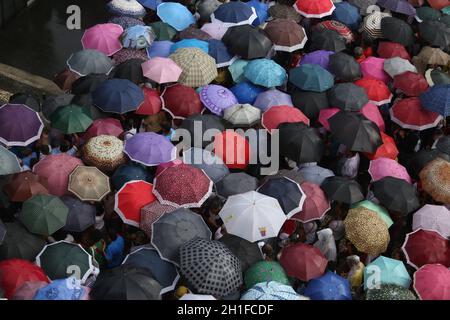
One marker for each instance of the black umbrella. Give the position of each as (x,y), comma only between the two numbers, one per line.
(436,76)
(206,7)
(126,283)
(27,99)
(300,143)
(343,190)
(236,183)
(81,214)
(443,144)
(247,252)
(421,158)
(445,19)
(247,42)
(329,40)
(397,30)
(355,131)
(2,232)
(396,194)
(309,102)
(130,70)
(435,33)
(348,96)
(85,101)
(52,103)
(205,121)
(344,67)
(88,84)
(19,243)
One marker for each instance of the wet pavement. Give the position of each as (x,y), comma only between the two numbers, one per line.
(38,41)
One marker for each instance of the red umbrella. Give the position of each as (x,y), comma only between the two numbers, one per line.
(130,199)
(371,112)
(377,91)
(432,282)
(276,115)
(56,169)
(388,50)
(303,261)
(165,165)
(183,186)
(233,149)
(409,114)
(152,103)
(25,185)
(337,26)
(315,205)
(314,8)
(181,101)
(422,247)
(410,83)
(438,4)
(15,272)
(387,150)
(106,126)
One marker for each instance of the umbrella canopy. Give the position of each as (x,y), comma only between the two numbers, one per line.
(246,92)
(130,8)
(190,43)
(384,167)
(290,41)
(348,14)
(272,97)
(341,29)
(247,252)
(373,67)
(390,292)
(435,56)
(234,13)
(277,115)
(104,152)
(103,37)
(431,282)
(129,172)
(28,290)
(271,290)
(89,183)
(311,77)
(363,5)
(410,83)
(242,115)
(149,149)
(28,99)
(397,30)
(219,52)
(9,164)
(252,216)
(330,286)
(247,41)
(382,212)
(216,30)
(387,150)
(118,96)
(309,102)
(366,230)
(18,243)
(434,179)
(443,144)
(265,72)
(89,61)
(341,189)
(217,98)
(137,37)
(159,49)
(261,11)
(387,271)
(347,97)
(25,185)
(395,66)
(52,103)
(175,229)
(372,24)
(202,159)
(436,76)
(152,103)
(130,70)
(409,114)
(314,173)
(181,101)
(164,32)
(314,9)
(81,214)
(265,271)
(106,126)
(437,99)
(127,54)
(400,6)
(210,267)
(64,80)
(316,203)
(175,14)
(320,57)
(71,119)
(435,33)
(150,213)
(206,7)
(423,157)
(233,148)
(377,91)
(87,84)
(236,183)
(327,39)
(203,121)
(387,49)
(396,194)
(344,67)
(236,69)
(432,217)
(62,289)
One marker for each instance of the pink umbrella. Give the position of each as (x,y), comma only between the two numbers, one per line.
(433,217)
(385,167)
(216,29)
(315,205)
(106,126)
(373,67)
(56,169)
(161,70)
(326,114)
(432,282)
(103,38)
(164,166)
(28,290)
(276,115)
(371,112)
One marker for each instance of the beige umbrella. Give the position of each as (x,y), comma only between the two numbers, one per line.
(431,55)
(104,152)
(242,115)
(89,183)
(367,231)
(435,178)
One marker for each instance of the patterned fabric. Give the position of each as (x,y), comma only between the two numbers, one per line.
(128,54)
(152,212)
(89,183)
(104,152)
(271,291)
(264,271)
(435,178)
(126,22)
(130,8)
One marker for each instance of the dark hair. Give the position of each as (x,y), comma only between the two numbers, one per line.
(96,236)
(33,162)
(112,233)
(55,143)
(44,149)
(65,146)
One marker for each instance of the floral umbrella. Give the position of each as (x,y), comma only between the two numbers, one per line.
(104,152)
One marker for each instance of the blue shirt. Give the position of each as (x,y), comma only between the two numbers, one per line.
(114,252)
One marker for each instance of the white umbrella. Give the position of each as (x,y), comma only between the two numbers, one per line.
(432,217)
(252,216)
(242,114)
(200,297)
(397,65)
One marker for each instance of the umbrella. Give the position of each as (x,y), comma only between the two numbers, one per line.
(314,9)
(216,30)
(118,96)
(314,173)
(303,261)
(71,119)
(363,5)
(271,290)
(432,217)
(126,283)
(384,270)
(247,41)
(190,43)
(435,33)
(277,115)
(246,92)
(86,84)
(265,271)
(366,231)
(236,69)
(329,286)
(62,289)
(149,149)
(284,11)
(28,290)
(437,99)
(233,148)
(217,98)
(129,172)
(270,98)
(420,159)
(195,122)
(173,230)
(81,214)
(130,70)
(310,102)
(377,91)
(435,56)
(159,49)
(247,252)
(176,15)
(163,31)
(384,167)
(150,4)
(395,66)
(311,77)
(89,61)
(316,203)
(193,32)
(399,6)
(347,96)
(181,101)
(387,150)
(88,183)
(423,247)
(19,133)
(388,50)
(28,99)
(431,282)
(341,29)
(106,126)
(373,67)
(236,183)
(234,13)
(130,8)
(25,185)
(320,57)
(152,103)
(409,114)
(347,14)
(252,216)
(206,7)
(127,54)
(64,80)
(390,292)
(131,198)
(397,30)
(199,69)
(300,143)
(434,179)
(382,212)
(219,52)
(103,38)
(265,72)
(344,67)
(202,159)
(290,41)
(372,24)
(410,83)
(15,272)
(18,243)
(125,21)
(396,194)
(325,115)
(372,112)
(443,144)
(329,40)
(104,152)
(150,213)
(165,273)
(436,76)
(137,37)
(197,186)
(342,190)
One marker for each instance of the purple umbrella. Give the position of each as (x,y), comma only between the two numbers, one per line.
(433,217)
(320,57)
(150,149)
(272,97)
(217,98)
(159,49)
(19,125)
(399,6)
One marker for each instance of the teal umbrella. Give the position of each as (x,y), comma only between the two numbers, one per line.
(237,70)
(71,119)
(382,212)
(9,163)
(265,72)
(385,270)
(311,77)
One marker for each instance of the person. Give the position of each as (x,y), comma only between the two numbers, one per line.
(97,249)
(44,150)
(327,244)
(348,166)
(355,275)
(358,53)
(115,249)
(181,291)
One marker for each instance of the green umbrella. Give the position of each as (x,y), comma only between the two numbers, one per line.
(43,214)
(382,212)
(163,31)
(63,259)
(264,271)
(8,162)
(19,243)
(390,292)
(71,119)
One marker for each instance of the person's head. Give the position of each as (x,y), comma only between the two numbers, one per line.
(55,143)
(45,149)
(353,260)
(215,205)
(65,146)
(166,126)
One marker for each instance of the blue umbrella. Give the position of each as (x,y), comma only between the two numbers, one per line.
(159,49)
(314,173)
(150,4)
(175,15)
(246,92)
(118,96)
(437,99)
(265,72)
(234,13)
(237,70)
(220,53)
(129,8)
(63,289)
(385,270)
(271,291)
(129,172)
(347,14)
(311,77)
(262,11)
(330,286)
(190,43)
(138,37)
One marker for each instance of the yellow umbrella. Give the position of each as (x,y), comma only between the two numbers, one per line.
(435,177)
(89,183)
(431,55)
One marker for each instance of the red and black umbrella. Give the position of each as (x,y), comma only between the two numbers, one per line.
(387,150)
(303,261)
(409,114)
(181,101)
(276,115)
(410,83)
